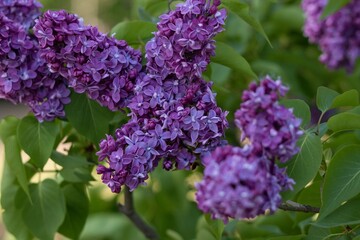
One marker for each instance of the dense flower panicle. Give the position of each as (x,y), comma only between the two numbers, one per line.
(337,35)
(238,183)
(101,66)
(270,127)
(24,76)
(23,12)
(176,121)
(174,115)
(183,43)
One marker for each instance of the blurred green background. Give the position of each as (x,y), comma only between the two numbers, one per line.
(167,202)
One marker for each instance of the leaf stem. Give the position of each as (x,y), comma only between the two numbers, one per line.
(319,121)
(298,207)
(129,210)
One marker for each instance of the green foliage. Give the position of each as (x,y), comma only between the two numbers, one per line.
(304,166)
(242,11)
(44,215)
(77,209)
(300,109)
(346,214)
(143,33)
(342,179)
(227,56)
(88,117)
(37,139)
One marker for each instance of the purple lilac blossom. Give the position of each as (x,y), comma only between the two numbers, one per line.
(24,76)
(175,126)
(184,41)
(174,115)
(270,127)
(238,183)
(337,35)
(93,63)
(23,12)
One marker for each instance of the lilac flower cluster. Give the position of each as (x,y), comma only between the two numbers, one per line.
(244,182)
(337,35)
(270,127)
(24,76)
(239,184)
(23,12)
(183,43)
(174,117)
(101,66)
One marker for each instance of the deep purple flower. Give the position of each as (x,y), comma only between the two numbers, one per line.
(238,184)
(20,11)
(337,35)
(103,67)
(270,127)
(183,43)
(24,75)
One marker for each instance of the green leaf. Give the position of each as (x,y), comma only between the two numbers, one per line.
(14,161)
(173,235)
(342,179)
(349,98)
(227,56)
(304,166)
(110,226)
(242,11)
(88,117)
(8,127)
(69,161)
(77,209)
(296,237)
(317,233)
(325,98)
(344,121)
(77,175)
(211,229)
(311,195)
(333,6)
(301,109)
(11,214)
(216,226)
(44,216)
(37,139)
(134,32)
(347,214)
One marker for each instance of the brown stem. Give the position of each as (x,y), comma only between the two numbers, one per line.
(129,210)
(297,207)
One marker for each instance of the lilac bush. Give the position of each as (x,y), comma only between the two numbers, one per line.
(337,35)
(103,67)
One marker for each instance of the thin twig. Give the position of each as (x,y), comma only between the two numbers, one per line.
(297,207)
(129,210)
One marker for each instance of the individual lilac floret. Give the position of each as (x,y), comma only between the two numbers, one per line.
(270,127)
(24,76)
(23,12)
(175,121)
(183,43)
(93,63)
(337,35)
(239,184)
